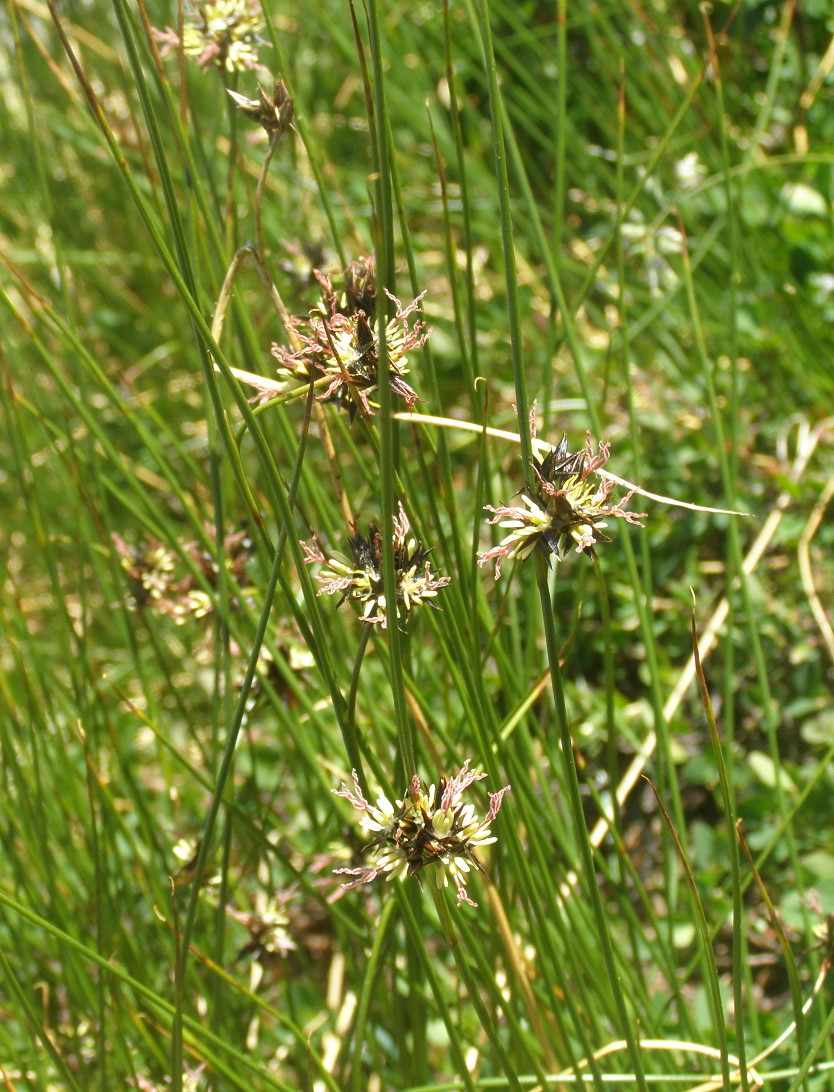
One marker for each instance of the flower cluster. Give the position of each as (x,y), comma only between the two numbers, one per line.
(222,34)
(150,571)
(338,340)
(362,579)
(428,826)
(567,506)
(273,112)
(268,928)
(156,581)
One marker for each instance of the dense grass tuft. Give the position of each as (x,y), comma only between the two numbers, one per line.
(220,402)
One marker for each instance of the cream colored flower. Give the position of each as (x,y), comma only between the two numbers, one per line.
(221,34)
(568,506)
(339,341)
(414,833)
(362,580)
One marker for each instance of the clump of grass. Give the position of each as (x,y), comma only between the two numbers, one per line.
(592,223)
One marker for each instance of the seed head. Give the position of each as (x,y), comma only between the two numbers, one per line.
(362,580)
(430,825)
(272,112)
(150,571)
(567,505)
(158,580)
(339,340)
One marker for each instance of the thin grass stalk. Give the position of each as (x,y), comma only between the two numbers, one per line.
(40,163)
(442,459)
(822,1040)
(610,693)
(415,1022)
(554,281)
(230,218)
(451,257)
(103,907)
(497,116)
(571,780)
(148,826)
(737,566)
(220,636)
(713,988)
(775,73)
(742,978)
(350,715)
(227,761)
(300,124)
(259,191)
(471,355)
(434,982)
(787,954)
(735,863)
(442,453)
(388,447)
(560,127)
(370,981)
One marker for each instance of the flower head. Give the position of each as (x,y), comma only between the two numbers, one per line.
(428,826)
(150,571)
(567,506)
(158,581)
(274,112)
(268,926)
(362,579)
(339,340)
(222,34)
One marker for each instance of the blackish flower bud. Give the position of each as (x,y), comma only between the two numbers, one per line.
(360,287)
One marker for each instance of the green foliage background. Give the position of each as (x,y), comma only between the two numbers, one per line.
(621,213)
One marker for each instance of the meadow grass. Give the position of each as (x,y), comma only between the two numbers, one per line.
(617,221)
